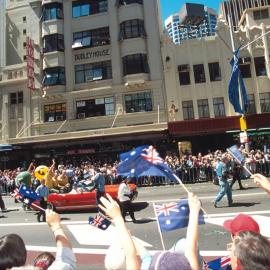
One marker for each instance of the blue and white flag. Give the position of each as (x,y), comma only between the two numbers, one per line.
(219,264)
(234,85)
(99,222)
(237,155)
(144,160)
(174,215)
(28,194)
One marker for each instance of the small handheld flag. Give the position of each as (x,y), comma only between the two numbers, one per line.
(99,222)
(27,192)
(174,215)
(237,155)
(219,264)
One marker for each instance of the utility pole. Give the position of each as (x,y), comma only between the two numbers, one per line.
(243,124)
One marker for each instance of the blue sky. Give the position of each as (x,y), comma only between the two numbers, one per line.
(173,6)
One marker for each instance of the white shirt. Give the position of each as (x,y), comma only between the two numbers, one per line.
(122,190)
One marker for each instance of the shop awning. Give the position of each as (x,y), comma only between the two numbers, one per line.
(5,147)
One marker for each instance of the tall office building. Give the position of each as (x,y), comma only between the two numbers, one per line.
(235,9)
(193,21)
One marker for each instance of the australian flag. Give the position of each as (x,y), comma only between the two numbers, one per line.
(234,151)
(174,215)
(28,195)
(144,160)
(99,222)
(236,77)
(222,263)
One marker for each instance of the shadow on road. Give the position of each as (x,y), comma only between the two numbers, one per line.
(243,204)
(138,206)
(144,220)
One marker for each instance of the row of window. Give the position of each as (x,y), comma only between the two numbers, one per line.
(80,8)
(132,64)
(215,73)
(219,108)
(137,102)
(95,37)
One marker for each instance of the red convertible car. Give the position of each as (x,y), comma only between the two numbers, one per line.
(82,198)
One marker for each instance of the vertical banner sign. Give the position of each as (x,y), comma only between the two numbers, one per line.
(30,63)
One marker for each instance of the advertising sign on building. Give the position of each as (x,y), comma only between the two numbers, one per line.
(30,63)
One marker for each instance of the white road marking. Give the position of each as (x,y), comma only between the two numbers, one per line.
(206,197)
(263,222)
(96,251)
(92,236)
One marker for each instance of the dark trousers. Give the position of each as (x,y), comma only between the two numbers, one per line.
(126,206)
(236,177)
(2,204)
(41,213)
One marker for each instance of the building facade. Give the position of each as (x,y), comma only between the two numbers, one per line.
(197,75)
(98,76)
(179,32)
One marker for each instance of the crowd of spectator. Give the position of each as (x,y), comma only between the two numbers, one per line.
(190,169)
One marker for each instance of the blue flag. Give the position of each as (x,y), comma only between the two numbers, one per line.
(174,215)
(234,85)
(234,151)
(144,160)
(219,264)
(29,193)
(99,222)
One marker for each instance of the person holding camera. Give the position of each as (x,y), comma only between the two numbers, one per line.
(124,198)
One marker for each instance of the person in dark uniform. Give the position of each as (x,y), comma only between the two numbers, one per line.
(236,172)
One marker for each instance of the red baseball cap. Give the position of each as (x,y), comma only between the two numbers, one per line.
(241,223)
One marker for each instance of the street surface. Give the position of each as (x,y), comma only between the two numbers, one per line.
(90,244)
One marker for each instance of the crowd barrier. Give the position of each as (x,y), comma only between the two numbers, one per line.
(186,174)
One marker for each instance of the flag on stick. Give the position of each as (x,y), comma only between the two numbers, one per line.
(174,215)
(99,222)
(237,78)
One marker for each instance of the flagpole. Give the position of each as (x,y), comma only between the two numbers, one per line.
(160,234)
(239,85)
(188,192)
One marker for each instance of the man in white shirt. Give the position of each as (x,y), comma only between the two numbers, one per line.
(124,199)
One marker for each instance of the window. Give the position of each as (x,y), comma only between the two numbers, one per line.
(16,98)
(88,7)
(55,112)
(24,31)
(54,76)
(265,102)
(128,2)
(16,105)
(219,108)
(132,29)
(188,111)
(203,108)
(91,38)
(184,77)
(245,70)
(214,72)
(24,19)
(199,74)
(53,42)
(95,107)
(139,102)
(251,107)
(93,72)
(135,63)
(261,14)
(260,66)
(52,11)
